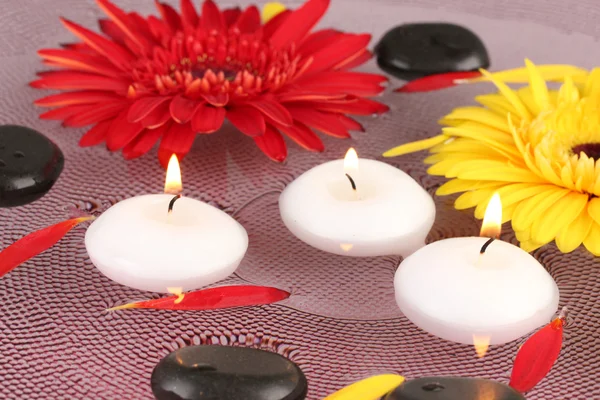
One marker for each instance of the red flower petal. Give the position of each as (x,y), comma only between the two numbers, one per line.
(358,107)
(182,109)
(212,19)
(249,21)
(169,15)
(274,23)
(95,113)
(208,119)
(157,117)
(113,52)
(299,23)
(35,243)
(345,47)
(122,20)
(81,97)
(436,82)
(217,99)
(80,47)
(352,62)
(327,123)
(189,16)
(62,113)
(144,106)
(215,298)
(317,40)
(178,140)
(303,136)
(248,120)
(295,96)
(350,124)
(144,142)
(79,80)
(77,60)
(231,15)
(121,132)
(354,83)
(96,135)
(112,30)
(273,110)
(272,144)
(537,356)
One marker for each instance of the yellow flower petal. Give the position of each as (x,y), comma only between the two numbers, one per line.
(497,103)
(550,72)
(510,95)
(473,198)
(530,246)
(594,209)
(480,115)
(415,146)
(488,170)
(573,234)
(558,215)
(460,185)
(270,10)
(568,92)
(592,86)
(513,193)
(372,388)
(538,87)
(592,240)
(531,209)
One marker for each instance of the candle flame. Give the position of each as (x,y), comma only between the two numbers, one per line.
(173,180)
(492,220)
(351,161)
(481,343)
(177,291)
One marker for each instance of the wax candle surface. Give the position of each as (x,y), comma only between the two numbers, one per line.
(388,214)
(449,290)
(139,244)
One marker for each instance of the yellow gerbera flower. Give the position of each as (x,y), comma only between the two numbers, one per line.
(538,148)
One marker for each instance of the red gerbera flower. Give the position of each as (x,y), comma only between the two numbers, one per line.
(168,78)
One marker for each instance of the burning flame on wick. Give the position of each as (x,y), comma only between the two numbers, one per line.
(481,343)
(177,291)
(351,161)
(492,220)
(173,180)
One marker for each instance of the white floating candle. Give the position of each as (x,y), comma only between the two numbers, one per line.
(358,208)
(454,291)
(139,243)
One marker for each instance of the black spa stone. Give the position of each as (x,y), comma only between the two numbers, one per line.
(227,373)
(29,165)
(444,388)
(415,50)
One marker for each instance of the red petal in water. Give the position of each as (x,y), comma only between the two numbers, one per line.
(214,298)
(436,82)
(537,356)
(33,244)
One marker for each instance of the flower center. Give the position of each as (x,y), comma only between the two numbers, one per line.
(592,150)
(234,64)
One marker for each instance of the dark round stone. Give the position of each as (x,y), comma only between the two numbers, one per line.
(29,165)
(227,373)
(453,389)
(415,50)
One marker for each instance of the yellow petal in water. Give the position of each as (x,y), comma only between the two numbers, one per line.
(415,146)
(592,240)
(573,234)
(270,10)
(372,388)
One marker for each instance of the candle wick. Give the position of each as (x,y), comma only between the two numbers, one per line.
(485,245)
(172,202)
(351,182)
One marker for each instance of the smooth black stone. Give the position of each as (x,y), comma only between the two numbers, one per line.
(29,165)
(447,388)
(227,373)
(415,50)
